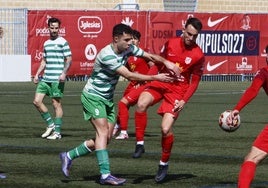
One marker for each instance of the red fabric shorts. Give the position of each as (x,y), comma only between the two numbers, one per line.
(132,94)
(261,141)
(169,92)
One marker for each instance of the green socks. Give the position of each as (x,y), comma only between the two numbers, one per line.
(103,160)
(58,123)
(47,118)
(79,151)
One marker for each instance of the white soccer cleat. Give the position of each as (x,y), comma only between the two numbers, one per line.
(122,136)
(48,131)
(54,136)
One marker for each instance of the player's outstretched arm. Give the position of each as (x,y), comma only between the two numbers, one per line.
(163,77)
(160,60)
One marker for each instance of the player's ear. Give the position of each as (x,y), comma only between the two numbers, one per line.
(116,38)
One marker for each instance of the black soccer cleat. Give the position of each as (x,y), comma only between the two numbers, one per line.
(161,173)
(138,151)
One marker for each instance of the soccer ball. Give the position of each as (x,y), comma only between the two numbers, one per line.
(228,127)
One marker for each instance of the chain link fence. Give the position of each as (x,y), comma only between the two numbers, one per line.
(13,31)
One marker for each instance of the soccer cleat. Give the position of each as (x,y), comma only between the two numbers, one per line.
(65,164)
(138,151)
(2,176)
(116,129)
(48,131)
(54,136)
(122,136)
(161,173)
(111,180)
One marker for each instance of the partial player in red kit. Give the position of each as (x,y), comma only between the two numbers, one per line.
(188,56)
(133,90)
(259,148)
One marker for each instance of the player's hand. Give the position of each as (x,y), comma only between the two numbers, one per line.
(178,105)
(62,77)
(173,69)
(232,117)
(35,79)
(164,77)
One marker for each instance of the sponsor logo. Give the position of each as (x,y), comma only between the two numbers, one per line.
(243,66)
(90,51)
(127,21)
(44,32)
(188,60)
(213,67)
(89,24)
(215,22)
(161,32)
(234,43)
(246,22)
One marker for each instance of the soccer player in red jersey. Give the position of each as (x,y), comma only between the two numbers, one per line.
(259,148)
(188,56)
(133,90)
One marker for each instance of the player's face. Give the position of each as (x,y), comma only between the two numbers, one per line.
(190,34)
(136,41)
(123,42)
(54,30)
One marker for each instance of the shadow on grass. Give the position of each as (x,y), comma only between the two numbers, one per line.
(169,177)
(136,179)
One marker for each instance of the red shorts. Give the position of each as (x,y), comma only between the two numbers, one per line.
(132,94)
(169,92)
(261,141)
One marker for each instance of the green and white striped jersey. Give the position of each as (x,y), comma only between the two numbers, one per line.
(104,77)
(55,52)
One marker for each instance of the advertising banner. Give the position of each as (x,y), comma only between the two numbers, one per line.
(232,43)
(86,31)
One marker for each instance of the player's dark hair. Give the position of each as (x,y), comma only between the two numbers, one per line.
(136,34)
(195,22)
(266,49)
(53,20)
(120,29)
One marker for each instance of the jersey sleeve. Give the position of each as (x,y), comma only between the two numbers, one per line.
(250,93)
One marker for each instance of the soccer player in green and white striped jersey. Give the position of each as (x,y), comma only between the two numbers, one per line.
(55,63)
(97,98)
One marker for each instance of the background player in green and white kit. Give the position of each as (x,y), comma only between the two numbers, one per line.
(56,62)
(97,97)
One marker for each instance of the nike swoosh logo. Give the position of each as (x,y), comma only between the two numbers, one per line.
(215,22)
(213,67)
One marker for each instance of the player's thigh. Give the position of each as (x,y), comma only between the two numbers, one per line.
(132,96)
(57,89)
(261,141)
(95,107)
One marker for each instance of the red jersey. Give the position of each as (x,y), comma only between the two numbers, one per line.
(260,81)
(137,64)
(190,60)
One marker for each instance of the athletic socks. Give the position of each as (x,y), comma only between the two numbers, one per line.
(123,115)
(246,175)
(81,150)
(167,143)
(47,118)
(140,125)
(58,123)
(103,161)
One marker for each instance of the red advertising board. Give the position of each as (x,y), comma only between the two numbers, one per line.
(232,43)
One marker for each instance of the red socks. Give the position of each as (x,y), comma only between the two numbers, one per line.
(167,142)
(123,115)
(140,125)
(246,175)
